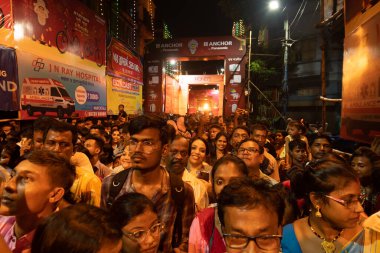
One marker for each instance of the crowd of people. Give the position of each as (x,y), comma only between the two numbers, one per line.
(194,184)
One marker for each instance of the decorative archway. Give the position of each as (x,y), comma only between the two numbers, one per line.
(158,93)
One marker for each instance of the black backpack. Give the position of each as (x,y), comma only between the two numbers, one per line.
(177,191)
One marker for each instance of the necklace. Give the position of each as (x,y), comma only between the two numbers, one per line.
(327,246)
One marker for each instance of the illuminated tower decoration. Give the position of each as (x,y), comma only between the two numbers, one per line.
(134,17)
(167,35)
(238,29)
(115,7)
(101,8)
(151,16)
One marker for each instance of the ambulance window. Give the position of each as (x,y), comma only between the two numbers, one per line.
(64,92)
(54,92)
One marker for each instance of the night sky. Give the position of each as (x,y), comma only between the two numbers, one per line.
(188,18)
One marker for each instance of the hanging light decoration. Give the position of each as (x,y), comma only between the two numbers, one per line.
(134,23)
(151,16)
(238,28)
(166,33)
(101,8)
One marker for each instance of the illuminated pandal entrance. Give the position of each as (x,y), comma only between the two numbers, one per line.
(181,94)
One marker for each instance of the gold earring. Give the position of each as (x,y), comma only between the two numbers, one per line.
(318,214)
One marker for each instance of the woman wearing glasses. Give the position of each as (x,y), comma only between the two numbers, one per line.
(141,228)
(253,156)
(205,231)
(332,191)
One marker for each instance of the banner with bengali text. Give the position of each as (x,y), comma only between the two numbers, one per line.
(120,91)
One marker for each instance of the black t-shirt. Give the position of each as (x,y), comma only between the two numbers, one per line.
(122,114)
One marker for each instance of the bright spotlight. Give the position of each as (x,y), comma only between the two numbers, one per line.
(18,31)
(274,5)
(173,62)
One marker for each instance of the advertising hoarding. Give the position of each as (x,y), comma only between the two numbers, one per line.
(66,25)
(6,34)
(361,82)
(56,89)
(124,79)
(120,91)
(9,88)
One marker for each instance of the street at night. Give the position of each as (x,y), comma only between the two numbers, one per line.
(159,126)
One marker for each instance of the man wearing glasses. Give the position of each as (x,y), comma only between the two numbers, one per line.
(253,156)
(149,139)
(250,213)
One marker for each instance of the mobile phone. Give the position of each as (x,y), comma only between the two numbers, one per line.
(203,175)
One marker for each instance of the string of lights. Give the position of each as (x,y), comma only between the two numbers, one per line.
(134,24)
(151,16)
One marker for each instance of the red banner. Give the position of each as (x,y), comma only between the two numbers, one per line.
(123,63)
(6,37)
(67,25)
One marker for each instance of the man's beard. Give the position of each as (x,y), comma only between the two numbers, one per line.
(176,167)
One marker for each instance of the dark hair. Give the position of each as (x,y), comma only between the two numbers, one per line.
(93,121)
(202,140)
(27,133)
(59,169)
(323,176)
(171,133)
(248,193)
(240,127)
(316,136)
(291,212)
(282,132)
(79,228)
(260,127)
(375,162)
(42,123)
(106,157)
(100,128)
(143,122)
(297,143)
(13,150)
(98,140)
(261,149)
(366,152)
(124,129)
(215,126)
(226,150)
(220,134)
(239,164)
(83,131)
(130,205)
(61,127)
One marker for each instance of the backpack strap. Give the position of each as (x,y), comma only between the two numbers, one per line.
(117,183)
(177,191)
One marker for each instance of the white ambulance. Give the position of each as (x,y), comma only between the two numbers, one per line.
(46,94)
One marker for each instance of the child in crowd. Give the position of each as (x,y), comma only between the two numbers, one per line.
(295,131)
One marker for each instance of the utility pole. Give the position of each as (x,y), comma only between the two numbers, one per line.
(285,88)
(323,67)
(249,71)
